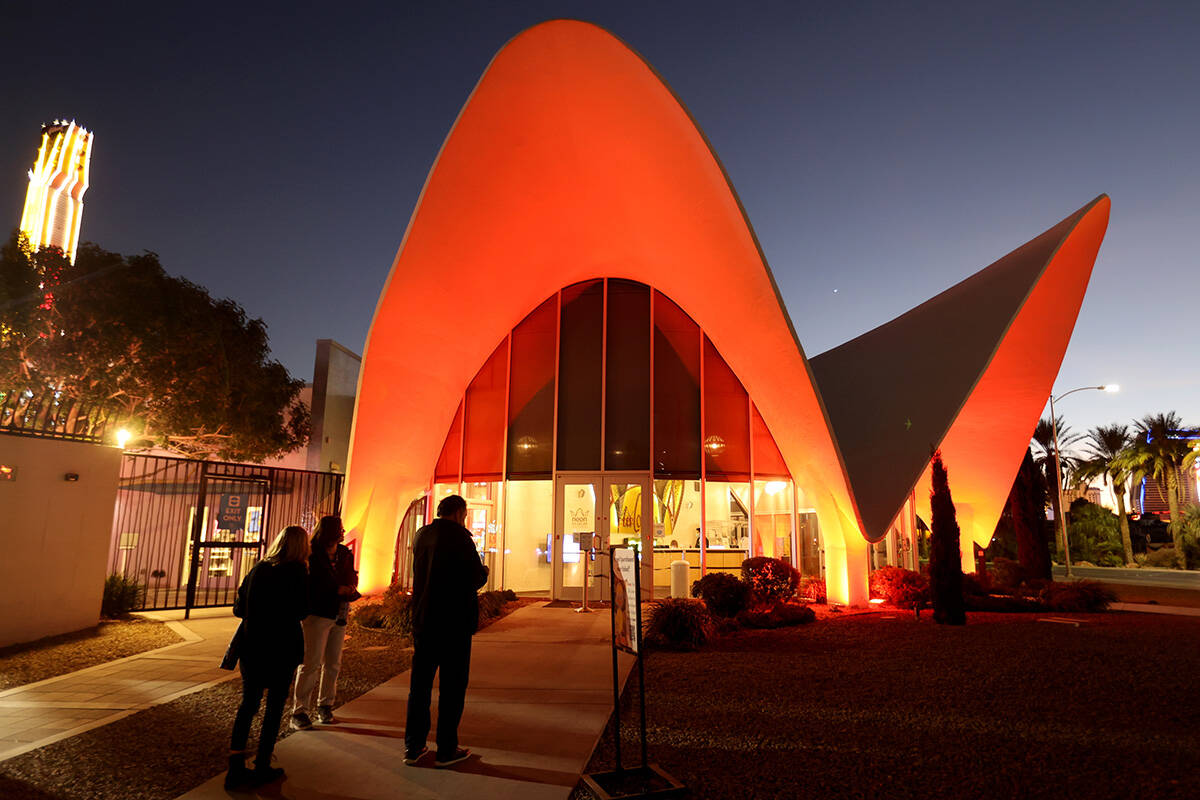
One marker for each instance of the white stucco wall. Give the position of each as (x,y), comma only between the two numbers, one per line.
(54,536)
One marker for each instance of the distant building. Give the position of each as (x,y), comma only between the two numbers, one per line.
(57,182)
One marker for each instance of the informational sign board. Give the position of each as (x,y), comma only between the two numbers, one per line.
(231,512)
(627,611)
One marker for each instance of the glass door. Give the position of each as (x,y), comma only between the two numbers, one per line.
(592,511)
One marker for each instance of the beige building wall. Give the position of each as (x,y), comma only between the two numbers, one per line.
(56,535)
(335,383)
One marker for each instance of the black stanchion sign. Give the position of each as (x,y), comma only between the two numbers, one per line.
(646,780)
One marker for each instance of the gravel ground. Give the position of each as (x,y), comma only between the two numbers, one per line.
(166,750)
(28,663)
(864,706)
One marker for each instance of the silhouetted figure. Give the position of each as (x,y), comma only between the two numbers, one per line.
(447,574)
(331,587)
(271,602)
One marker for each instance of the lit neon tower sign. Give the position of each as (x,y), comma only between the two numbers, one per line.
(57,181)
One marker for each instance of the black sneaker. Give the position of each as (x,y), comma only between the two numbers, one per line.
(461,754)
(301,722)
(325,715)
(268,774)
(413,756)
(238,777)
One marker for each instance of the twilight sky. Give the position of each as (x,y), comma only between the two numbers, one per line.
(274,153)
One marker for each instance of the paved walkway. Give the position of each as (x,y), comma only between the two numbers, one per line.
(38,714)
(540,695)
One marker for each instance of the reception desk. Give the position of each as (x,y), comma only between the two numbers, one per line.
(719,559)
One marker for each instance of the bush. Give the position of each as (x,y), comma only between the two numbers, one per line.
(121,595)
(678,624)
(391,612)
(1163,558)
(999,602)
(900,587)
(1007,574)
(780,615)
(724,594)
(1077,596)
(772,580)
(491,604)
(976,584)
(812,589)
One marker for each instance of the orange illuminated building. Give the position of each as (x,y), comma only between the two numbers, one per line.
(57,182)
(581,336)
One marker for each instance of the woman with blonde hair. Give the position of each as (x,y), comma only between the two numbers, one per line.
(271,602)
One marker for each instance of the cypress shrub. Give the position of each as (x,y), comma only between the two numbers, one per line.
(945,564)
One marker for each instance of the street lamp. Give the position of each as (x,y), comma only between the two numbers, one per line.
(1058,476)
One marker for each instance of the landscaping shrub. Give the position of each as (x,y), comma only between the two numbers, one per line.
(491,604)
(679,624)
(976,583)
(392,612)
(1077,596)
(1000,602)
(1163,558)
(121,595)
(772,580)
(724,594)
(945,566)
(1007,574)
(900,587)
(780,615)
(812,589)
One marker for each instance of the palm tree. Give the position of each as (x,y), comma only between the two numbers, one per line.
(1161,449)
(1106,446)
(1043,456)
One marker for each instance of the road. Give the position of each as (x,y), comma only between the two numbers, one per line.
(1166,578)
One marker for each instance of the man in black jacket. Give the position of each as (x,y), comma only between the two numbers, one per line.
(447,573)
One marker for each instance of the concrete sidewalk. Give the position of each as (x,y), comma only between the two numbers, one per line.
(540,695)
(38,714)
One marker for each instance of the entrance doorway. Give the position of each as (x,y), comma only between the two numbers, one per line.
(591,512)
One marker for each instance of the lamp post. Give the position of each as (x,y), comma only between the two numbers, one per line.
(1058,476)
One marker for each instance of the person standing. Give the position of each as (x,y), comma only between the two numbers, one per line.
(447,574)
(271,602)
(331,587)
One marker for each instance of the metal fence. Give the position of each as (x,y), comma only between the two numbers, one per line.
(187,531)
(49,413)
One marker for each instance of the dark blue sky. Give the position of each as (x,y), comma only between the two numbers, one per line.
(886,150)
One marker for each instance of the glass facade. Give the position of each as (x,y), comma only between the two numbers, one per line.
(581,369)
(605,377)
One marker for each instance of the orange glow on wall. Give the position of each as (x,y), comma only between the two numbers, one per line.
(984,446)
(571,160)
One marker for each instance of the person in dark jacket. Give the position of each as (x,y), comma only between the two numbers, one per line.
(447,574)
(331,587)
(271,602)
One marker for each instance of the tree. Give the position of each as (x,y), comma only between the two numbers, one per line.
(1043,442)
(1162,450)
(1027,507)
(945,562)
(1105,458)
(175,367)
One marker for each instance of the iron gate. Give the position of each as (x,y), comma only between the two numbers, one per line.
(188,531)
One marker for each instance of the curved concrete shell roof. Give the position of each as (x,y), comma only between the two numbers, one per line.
(572,160)
(922,381)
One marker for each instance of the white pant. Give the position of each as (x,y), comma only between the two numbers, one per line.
(323,639)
